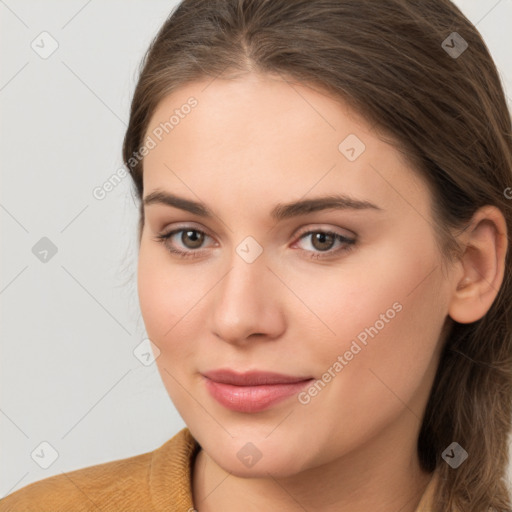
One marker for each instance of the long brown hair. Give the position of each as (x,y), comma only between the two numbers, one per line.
(400,65)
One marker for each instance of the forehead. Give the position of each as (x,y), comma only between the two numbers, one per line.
(259,135)
(261,107)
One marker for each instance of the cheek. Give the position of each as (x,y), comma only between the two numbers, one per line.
(396,287)
(387,315)
(166,292)
(169,298)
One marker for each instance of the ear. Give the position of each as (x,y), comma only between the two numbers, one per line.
(481,267)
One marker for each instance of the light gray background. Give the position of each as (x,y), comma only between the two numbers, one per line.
(69,325)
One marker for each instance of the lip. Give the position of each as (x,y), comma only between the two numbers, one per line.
(252,391)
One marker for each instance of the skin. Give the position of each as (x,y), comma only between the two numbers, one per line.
(249,144)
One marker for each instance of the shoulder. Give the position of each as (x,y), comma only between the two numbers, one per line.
(84,489)
(124,484)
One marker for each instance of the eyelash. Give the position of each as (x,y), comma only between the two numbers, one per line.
(195,253)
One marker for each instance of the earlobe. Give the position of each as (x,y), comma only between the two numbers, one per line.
(482,264)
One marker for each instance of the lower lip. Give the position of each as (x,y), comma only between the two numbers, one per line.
(252,398)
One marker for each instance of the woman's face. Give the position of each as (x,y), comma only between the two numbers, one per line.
(352,297)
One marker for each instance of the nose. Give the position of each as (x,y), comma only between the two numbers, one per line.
(247,305)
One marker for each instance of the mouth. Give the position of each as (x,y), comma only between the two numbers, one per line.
(253,391)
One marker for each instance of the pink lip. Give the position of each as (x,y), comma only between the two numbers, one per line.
(252,391)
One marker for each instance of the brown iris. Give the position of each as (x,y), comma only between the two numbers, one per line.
(322,241)
(196,238)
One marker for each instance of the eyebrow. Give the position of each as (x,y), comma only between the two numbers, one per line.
(280,212)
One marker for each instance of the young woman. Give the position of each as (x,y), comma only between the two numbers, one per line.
(324,265)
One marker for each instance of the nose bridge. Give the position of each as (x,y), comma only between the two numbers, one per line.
(245,303)
(241,292)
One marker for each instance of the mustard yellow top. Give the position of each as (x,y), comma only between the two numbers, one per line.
(157,481)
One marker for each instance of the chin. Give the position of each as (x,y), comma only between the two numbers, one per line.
(247,459)
(275,468)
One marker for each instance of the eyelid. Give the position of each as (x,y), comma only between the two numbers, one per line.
(183,226)
(345,233)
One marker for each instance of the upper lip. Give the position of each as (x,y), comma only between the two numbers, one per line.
(251,378)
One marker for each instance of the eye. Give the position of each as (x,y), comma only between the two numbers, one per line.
(188,244)
(190,238)
(322,242)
